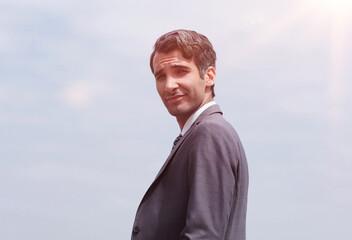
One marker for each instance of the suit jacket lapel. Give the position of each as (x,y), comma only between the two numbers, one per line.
(211,110)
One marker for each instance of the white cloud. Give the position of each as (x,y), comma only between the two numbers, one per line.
(82,93)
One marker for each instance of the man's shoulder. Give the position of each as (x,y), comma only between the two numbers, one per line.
(215,120)
(214,125)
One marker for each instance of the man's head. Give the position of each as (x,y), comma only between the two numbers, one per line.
(183,64)
(193,45)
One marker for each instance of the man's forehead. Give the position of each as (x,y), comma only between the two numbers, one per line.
(172,58)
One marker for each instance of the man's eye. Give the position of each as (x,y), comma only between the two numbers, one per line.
(160,77)
(181,71)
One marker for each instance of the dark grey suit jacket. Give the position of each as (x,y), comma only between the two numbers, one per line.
(201,190)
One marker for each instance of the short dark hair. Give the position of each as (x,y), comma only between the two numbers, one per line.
(192,45)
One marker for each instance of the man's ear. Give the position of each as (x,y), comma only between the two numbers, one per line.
(209,76)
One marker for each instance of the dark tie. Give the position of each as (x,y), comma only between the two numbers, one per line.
(176,141)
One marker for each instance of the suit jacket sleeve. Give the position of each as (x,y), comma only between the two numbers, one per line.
(211,175)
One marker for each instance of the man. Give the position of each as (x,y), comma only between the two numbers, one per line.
(201,190)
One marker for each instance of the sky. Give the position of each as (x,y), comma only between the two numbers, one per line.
(83,132)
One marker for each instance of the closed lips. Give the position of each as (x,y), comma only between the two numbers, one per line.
(174,98)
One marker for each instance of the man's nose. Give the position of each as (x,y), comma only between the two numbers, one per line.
(171,84)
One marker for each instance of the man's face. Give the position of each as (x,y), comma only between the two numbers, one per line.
(179,84)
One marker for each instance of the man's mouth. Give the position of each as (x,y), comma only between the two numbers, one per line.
(174,98)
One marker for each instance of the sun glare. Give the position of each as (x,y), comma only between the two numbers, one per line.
(336,7)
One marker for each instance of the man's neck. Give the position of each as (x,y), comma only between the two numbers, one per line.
(189,121)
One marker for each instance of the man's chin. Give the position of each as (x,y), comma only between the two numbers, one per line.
(175,110)
(173,113)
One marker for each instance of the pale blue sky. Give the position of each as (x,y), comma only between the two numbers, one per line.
(83,131)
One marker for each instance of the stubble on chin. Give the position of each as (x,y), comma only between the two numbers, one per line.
(172,110)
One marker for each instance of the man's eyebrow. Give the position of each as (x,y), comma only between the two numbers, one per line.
(176,65)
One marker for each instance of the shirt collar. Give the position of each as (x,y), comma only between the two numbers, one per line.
(194,117)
